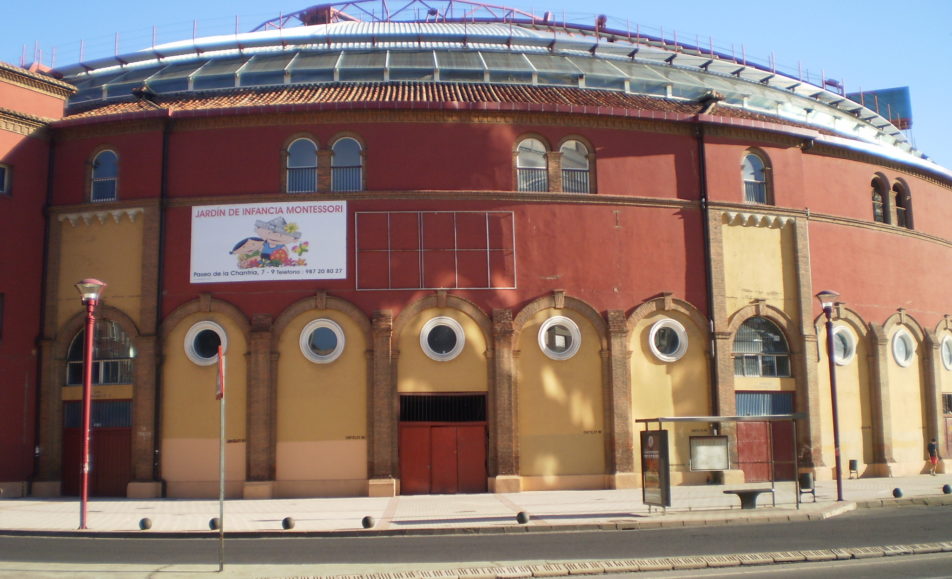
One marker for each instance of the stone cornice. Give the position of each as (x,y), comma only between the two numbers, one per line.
(89,217)
(36,82)
(20,123)
(468,195)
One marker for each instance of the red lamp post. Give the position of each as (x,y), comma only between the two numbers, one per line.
(90,289)
(827,298)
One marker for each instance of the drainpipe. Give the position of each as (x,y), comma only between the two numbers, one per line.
(709,274)
(38,379)
(160,290)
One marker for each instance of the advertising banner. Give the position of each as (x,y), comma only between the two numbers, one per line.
(655,469)
(269,241)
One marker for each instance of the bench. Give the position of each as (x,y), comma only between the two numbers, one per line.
(748,497)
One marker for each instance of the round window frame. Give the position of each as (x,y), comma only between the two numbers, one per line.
(304,342)
(946,346)
(904,335)
(679,330)
(193,333)
(574,333)
(851,338)
(449,322)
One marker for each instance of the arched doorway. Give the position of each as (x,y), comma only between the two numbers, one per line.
(111,417)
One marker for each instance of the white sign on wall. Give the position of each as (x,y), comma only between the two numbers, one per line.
(269,241)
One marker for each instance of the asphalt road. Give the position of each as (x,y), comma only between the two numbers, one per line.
(874,527)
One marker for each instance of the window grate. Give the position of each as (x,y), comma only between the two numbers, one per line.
(443,408)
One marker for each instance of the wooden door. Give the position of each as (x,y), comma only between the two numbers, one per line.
(781,434)
(444,460)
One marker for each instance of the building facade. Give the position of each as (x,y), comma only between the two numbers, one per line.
(461,256)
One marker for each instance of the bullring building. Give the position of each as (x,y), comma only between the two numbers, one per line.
(454,249)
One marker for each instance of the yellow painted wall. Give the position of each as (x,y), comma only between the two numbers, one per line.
(907,409)
(417,372)
(678,388)
(561,410)
(190,412)
(759,263)
(106,250)
(322,408)
(854,404)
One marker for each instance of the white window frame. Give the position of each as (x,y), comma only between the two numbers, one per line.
(945,352)
(678,328)
(305,341)
(851,341)
(449,322)
(903,335)
(574,333)
(193,333)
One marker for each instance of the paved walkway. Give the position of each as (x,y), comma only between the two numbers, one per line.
(485,513)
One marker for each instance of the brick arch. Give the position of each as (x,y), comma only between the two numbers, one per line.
(775,315)
(667,303)
(444,300)
(320,301)
(901,318)
(845,315)
(205,303)
(559,301)
(77,323)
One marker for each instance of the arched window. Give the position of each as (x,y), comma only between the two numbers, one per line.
(880,215)
(754,173)
(901,203)
(105,175)
(575,167)
(532,171)
(761,350)
(302,166)
(346,165)
(113,353)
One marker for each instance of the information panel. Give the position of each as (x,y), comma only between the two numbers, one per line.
(709,453)
(306,240)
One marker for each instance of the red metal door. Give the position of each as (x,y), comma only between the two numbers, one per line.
(782,442)
(753,451)
(444,471)
(110,460)
(442,458)
(471,453)
(414,459)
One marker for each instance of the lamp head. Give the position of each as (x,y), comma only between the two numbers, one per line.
(90,289)
(827,297)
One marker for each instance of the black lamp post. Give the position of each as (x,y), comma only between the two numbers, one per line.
(827,299)
(90,289)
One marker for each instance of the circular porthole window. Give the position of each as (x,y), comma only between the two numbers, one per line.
(844,345)
(442,338)
(668,340)
(322,341)
(202,341)
(559,338)
(903,348)
(947,353)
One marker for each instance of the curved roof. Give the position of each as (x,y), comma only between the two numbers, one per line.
(349,43)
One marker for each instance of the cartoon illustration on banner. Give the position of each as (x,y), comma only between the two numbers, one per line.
(269,241)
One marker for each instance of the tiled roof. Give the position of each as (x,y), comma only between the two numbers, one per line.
(411,95)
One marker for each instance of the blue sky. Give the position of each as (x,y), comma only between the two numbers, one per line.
(869,45)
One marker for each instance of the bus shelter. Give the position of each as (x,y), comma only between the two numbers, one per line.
(707,453)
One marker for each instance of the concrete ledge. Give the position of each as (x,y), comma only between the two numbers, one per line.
(46,488)
(258,490)
(382,487)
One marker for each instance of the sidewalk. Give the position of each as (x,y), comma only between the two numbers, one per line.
(429,514)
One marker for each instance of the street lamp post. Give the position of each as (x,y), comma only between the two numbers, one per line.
(827,299)
(90,289)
